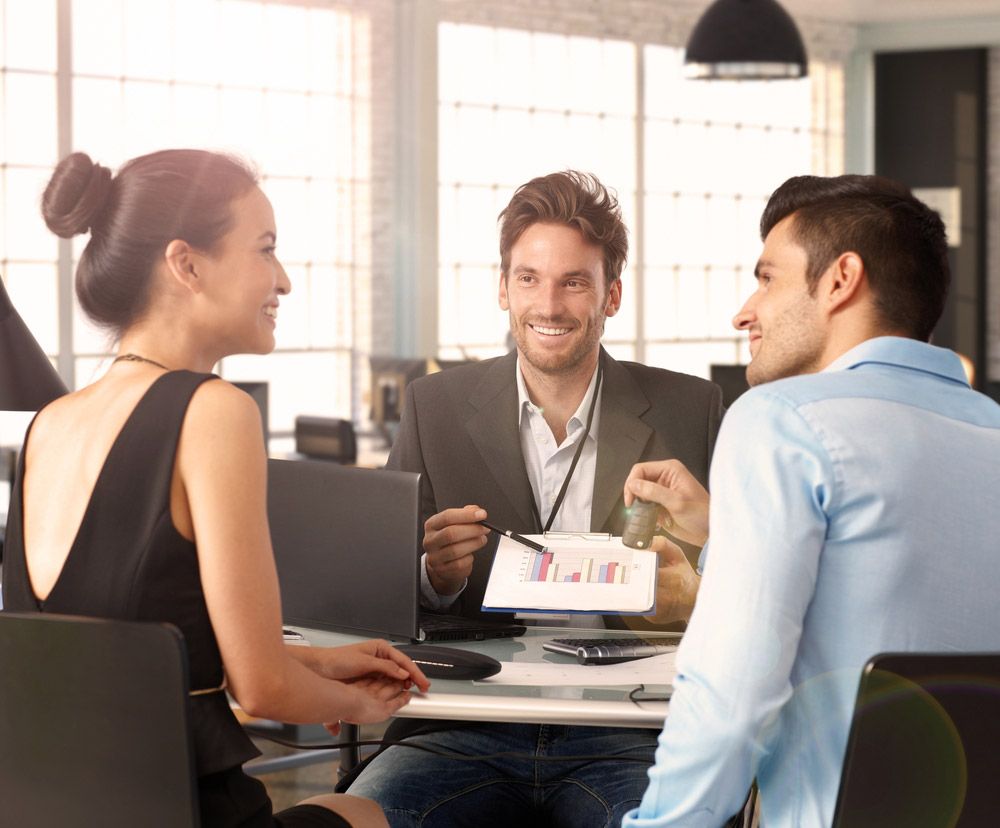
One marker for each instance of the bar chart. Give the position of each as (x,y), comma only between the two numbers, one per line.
(571,574)
(591,569)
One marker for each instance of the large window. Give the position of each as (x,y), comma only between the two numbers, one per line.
(515,104)
(289,83)
(279,83)
(28,148)
(714,151)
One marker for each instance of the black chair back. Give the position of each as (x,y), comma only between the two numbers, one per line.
(94,724)
(924,745)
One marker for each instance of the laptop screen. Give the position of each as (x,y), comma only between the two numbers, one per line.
(345,544)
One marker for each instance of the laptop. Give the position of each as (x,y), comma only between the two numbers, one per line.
(923,744)
(346,544)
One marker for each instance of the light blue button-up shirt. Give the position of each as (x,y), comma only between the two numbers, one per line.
(854,511)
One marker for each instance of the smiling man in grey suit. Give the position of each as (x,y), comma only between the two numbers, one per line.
(542,438)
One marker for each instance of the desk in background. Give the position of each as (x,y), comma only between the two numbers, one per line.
(372,451)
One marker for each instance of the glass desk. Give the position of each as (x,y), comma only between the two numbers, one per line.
(570,705)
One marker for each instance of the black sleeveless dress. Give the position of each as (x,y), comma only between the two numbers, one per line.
(129,562)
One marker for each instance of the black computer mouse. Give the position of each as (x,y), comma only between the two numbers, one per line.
(450,662)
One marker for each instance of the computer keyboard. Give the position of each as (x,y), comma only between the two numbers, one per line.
(611,650)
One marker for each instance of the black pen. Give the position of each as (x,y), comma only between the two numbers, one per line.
(515,537)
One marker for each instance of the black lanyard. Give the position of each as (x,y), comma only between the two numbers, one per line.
(572,466)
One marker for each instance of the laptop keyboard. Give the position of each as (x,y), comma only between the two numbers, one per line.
(611,650)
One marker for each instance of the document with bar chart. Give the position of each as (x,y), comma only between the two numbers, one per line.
(572,575)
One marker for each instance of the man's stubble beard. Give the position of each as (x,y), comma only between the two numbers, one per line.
(586,347)
(796,348)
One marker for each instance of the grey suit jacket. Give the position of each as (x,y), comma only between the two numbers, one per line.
(459,429)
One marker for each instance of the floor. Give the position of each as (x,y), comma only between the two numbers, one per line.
(288,787)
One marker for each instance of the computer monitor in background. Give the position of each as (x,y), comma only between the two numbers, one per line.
(390,376)
(326,438)
(258,392)
(444,364)
(732,379)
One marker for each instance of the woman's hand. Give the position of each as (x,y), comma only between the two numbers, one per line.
(371,698)
(373,680)
(355,663)
(672,486)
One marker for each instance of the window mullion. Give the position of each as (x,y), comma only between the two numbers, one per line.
(65,364)
(639,230)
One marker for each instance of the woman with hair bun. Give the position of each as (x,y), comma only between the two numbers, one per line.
(142,496)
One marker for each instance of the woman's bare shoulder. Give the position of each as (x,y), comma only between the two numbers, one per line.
(220,411)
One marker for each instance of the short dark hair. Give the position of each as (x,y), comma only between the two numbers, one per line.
(573,198)
(899,238)
(133,216)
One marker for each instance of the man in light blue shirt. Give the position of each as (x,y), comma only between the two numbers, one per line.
(853,508)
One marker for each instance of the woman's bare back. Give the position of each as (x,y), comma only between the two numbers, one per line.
(65,452)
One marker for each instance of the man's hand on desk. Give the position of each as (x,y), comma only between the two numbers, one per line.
(450,539)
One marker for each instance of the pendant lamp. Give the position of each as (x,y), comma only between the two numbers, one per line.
(745,40)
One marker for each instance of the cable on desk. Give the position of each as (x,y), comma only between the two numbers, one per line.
(445,754)
(634,697)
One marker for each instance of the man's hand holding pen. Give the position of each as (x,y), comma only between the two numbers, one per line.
(451,538)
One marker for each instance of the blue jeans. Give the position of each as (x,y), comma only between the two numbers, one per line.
(419,789)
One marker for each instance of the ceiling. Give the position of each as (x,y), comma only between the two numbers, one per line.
(881,11)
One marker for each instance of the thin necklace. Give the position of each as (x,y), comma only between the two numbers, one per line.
(137,358)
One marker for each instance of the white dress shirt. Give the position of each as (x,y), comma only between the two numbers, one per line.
(547,464)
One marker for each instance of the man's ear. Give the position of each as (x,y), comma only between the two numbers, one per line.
(502,296)
(844,281)
(182,265)
(614,298)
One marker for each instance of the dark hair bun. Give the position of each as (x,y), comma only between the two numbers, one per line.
(76,195)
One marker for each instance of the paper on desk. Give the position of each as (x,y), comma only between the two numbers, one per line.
(659,669)
(572,574)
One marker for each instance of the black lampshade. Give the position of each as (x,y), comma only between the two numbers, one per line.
(745,39)
(27,379)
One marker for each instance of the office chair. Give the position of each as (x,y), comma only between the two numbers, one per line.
(94,724)
(924,745)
